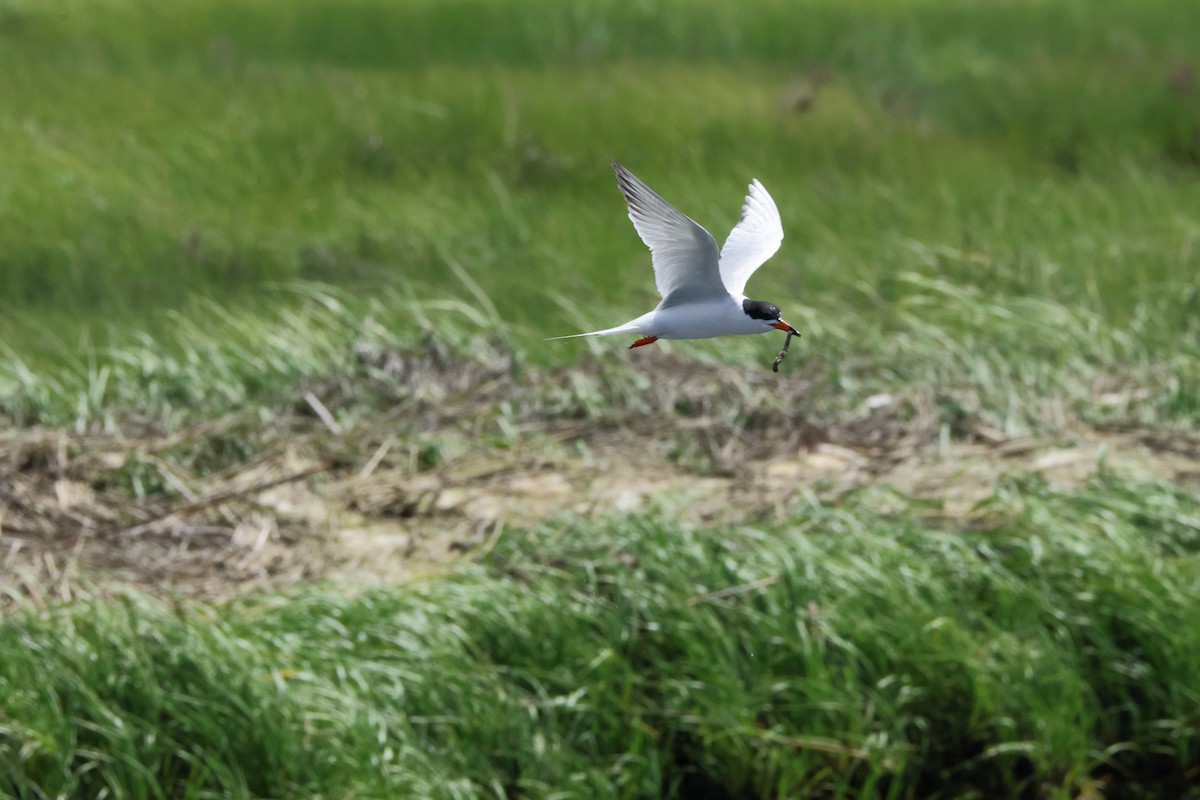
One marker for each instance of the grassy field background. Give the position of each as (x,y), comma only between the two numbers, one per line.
(992,215)
(1031,155)
(153,155)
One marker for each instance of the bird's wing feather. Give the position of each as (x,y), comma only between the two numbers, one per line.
(752,241)
(685,255)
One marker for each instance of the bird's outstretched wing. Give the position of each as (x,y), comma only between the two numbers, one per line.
(752,241)
(685,255)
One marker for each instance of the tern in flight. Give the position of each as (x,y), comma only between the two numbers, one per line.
(701,286)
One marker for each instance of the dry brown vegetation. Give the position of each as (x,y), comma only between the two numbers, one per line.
(464,452)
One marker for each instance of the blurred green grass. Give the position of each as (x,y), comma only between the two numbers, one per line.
(852,652)
(153,155)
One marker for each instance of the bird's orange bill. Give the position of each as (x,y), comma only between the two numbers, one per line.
(645,340)
(783,326)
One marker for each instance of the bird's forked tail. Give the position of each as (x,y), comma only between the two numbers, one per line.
(633,326)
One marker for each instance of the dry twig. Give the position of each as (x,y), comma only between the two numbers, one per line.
(323,413)
(222,497)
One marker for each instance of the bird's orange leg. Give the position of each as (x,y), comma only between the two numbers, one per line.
(645,340)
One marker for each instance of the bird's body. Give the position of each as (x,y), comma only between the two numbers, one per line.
(722,316)
(701,286)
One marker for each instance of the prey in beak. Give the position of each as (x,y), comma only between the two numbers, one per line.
(779,324)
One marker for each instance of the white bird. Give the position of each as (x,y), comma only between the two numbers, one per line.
(701,288)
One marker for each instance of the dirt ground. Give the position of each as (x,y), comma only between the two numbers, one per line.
(461,458)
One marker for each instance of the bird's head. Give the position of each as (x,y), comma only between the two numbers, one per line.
(768,314)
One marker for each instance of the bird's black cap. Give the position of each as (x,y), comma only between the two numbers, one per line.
(761,309)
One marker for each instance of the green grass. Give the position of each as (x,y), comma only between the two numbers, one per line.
(996,200)
(1015,363)
(151,156)
(859,653)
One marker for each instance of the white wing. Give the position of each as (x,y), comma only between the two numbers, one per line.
(752,241)
(684,254)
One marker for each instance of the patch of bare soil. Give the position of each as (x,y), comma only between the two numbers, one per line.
(463,455)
